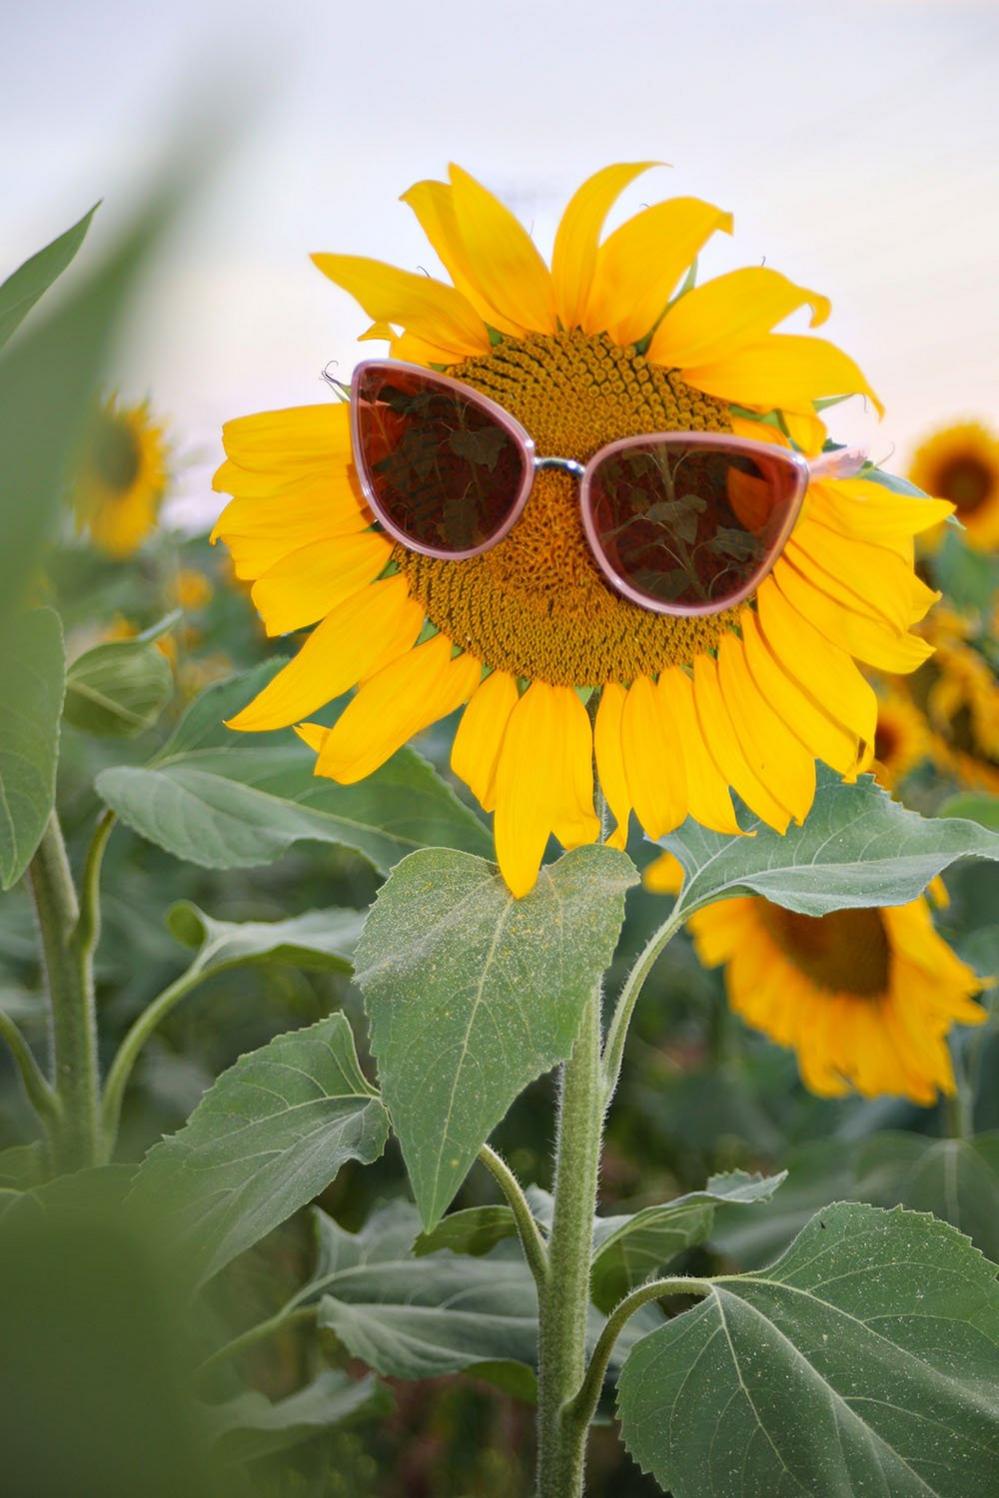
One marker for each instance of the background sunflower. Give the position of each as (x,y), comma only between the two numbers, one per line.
(122,477)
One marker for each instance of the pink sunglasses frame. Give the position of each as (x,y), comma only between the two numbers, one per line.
(839,464)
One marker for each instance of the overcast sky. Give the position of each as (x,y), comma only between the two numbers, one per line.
(856,143)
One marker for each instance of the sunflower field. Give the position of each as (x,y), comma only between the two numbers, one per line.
(498,932)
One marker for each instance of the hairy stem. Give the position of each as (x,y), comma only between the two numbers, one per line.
(633,984)
(535,1250)
(41,1096)
(128,1051)
(88,925)
(69,973)
(564,1302)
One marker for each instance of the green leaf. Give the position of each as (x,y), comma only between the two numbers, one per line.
(973,806)
(955,1179)
(22,1166)
(628,1249)
(21,290)
(319,939)
(472,994)
(866,1360)
(250,1426)
(118,689)
(475,1231)
(32,679)
(818,1173)
(225,800)
(419,1317)
(857,847)
(270,1134)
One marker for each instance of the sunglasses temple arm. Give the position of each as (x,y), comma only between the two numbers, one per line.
(843,463)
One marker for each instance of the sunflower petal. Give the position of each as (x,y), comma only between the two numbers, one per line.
(719,735)
(708,798)
(714,321)
(501,257)
(432,311)
(865,508)
(821,735)
(639,265)
(871,580)
(653,760)
(817,662)
(414,691)
(785,372)
(574,256)
(530,788)
(477,742)
(381,619)
(433,204)
(865,638)
(775,755)
(306,584)
(574,821)
(610,759)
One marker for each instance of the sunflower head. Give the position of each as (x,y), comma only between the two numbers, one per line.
(865,998)
(901,740)
(611,340)
(122,478)
(961,464)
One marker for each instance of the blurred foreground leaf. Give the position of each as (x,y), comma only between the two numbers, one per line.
(865,1360)
(320,939)
(32,679)
(270,1134)
(472,994)
(21,290)
(226,800)
(857,847)
(118,689)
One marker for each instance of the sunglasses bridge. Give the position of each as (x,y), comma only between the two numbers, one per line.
(564,465)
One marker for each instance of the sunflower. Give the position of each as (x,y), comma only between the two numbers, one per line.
(121,481)
(866,998)
(961,463)
(902,739)
(551,667)
(961,700)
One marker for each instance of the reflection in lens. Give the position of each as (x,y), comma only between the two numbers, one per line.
(443,470)
(689,525)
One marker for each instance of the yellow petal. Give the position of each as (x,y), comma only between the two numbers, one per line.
(865,638)
(863,507)
(313,734)
(574,821)
(707,791)
(379,332)
(501,257)
(413,350)
(664,875)
(653,760)
(530,765)
(714,321)
(416,690)
(383,618)
(821,735)
(296,437)
(807,432)
(574,256)
(433,204)
(476,748)
(429,309)
(639,265)
(775,755)
(720,736)
(305,585)
(785,372)
(869,580)
(822,668)
(610,759)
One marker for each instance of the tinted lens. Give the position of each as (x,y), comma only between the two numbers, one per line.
(690,525)
(444,472)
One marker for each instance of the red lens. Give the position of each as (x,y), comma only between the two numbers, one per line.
(690,525)
(444,473)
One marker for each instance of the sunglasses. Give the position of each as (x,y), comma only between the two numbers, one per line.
(678,522)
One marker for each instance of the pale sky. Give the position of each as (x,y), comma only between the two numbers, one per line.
(857,145)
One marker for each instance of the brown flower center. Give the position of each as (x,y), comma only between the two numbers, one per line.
(967,483)
(537,605)
(114,454)
(846,951)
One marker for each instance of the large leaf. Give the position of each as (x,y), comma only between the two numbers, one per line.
(32,678)
(23,287)
(319,939)
(250,1426)
(866,1360)
(227,800)
(266,1138)
(856,847)
(628,1249)
(472,994)
(818,1173)
(118,689)
(955,1179)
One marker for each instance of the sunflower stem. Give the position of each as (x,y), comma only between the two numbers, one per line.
(628,998)
(77,1139)
(565,1295)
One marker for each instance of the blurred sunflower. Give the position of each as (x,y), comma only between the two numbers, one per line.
(122,478)
(961,463)
(962,704)
(902,739)
(866,998)
(588,351)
